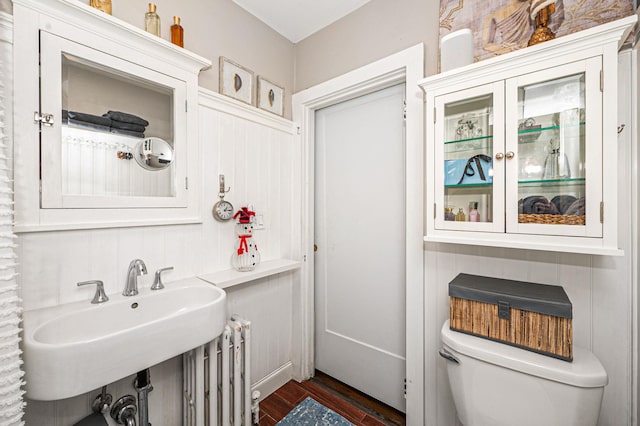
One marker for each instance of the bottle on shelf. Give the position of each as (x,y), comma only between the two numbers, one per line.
(474,215)
(152,21)
(177,32)
(460,216)
(448,214)
(103,5)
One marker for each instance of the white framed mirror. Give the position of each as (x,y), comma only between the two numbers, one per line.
(118,131)
(72,174)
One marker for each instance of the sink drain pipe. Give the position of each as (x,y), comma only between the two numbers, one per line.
(123,411)
(143,386)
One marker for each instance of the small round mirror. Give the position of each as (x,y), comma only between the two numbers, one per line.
(153,154)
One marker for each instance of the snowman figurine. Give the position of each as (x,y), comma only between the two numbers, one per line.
(246,257)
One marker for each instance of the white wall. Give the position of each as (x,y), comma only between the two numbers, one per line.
(376,30)
(221,28)
(255,151)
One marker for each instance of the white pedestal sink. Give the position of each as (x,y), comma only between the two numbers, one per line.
(78,347)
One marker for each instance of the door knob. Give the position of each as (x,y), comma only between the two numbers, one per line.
(499,156)
(315,247)
(510,155)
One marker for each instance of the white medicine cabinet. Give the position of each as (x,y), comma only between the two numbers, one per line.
(521,149)
(106,122)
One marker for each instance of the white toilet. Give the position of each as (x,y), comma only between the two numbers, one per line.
(494,384)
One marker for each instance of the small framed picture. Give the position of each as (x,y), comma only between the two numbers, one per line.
(236,81)
(270,96)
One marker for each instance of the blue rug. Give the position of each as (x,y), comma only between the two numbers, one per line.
(311,413)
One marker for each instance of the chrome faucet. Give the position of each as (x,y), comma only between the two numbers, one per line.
(136,268)
(100,296)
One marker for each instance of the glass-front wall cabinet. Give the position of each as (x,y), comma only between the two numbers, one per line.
(521,155)
(522,150)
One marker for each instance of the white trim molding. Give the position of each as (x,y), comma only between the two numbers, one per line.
(406,67)
(272,382)
(6,27)
(82,16)
(218,102)
(635,202)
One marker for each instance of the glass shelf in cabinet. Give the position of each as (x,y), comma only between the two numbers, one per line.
(552,182)
(469,185)
(449,153)
(532,134)
(477,138)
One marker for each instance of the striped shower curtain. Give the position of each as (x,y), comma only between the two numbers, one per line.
(11,374)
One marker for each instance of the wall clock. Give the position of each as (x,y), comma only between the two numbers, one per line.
(222,210)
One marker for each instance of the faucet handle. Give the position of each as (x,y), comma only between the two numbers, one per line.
(100,296)
(157,280)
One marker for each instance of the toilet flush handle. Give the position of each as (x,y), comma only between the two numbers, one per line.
(448,355)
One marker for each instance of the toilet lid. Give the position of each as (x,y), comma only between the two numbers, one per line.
(585,371)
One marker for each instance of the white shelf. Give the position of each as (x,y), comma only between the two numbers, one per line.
(546,243)
(231,277)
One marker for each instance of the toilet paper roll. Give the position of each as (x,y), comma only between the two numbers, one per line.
(456,49)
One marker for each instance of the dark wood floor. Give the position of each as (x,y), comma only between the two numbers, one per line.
(351,404)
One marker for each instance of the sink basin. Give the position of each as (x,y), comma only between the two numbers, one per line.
(75,348)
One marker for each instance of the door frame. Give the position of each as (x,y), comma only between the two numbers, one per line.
(407,67)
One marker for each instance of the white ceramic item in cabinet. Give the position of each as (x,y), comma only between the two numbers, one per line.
(73,170)
(521,149)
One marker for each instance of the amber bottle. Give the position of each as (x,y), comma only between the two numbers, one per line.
(177,32)
(103,5)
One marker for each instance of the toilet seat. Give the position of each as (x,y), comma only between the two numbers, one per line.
(585,371)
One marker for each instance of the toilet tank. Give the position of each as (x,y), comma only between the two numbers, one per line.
(499,385)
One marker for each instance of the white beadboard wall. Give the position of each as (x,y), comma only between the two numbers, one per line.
(256,152)
(600,287)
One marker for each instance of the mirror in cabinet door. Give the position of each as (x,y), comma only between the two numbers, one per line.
(468,179)
(109,113)
(555,175)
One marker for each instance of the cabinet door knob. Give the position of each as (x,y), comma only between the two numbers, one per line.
(499,156)
(510,155)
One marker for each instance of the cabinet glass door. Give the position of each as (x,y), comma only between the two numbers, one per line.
(469,185)
(553,172)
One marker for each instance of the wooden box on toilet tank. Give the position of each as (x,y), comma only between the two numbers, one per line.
(531,316)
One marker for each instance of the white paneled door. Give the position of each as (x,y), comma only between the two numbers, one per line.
(360,313)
